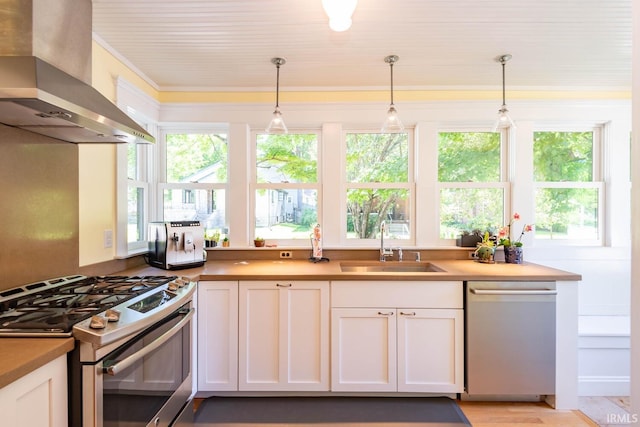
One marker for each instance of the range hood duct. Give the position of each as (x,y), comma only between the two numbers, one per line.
(45,66)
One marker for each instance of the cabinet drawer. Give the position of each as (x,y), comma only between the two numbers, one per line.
(429,294)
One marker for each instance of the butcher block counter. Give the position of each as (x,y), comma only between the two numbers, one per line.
(450,270)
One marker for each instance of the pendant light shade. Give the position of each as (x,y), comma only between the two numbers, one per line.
(339,13)
(392,123)
(504,120)
(277,126)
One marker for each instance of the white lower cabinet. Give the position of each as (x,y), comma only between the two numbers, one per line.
(217,336)
(378,347)
(39,399)
(283,336)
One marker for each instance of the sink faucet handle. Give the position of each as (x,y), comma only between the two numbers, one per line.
(399,249)
(417,255)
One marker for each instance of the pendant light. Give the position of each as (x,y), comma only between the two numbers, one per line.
(392,123)
(277,126)
(504,120)
(339,13)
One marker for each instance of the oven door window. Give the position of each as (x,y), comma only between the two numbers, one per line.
(139,381)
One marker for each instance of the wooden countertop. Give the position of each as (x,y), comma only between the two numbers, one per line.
(20,356)
(305,270)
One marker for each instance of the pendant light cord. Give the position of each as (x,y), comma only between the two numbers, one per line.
(277,85)
(391,66)
(504,102)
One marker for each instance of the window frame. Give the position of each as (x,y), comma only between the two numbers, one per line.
(597,182)
(505,176)
(254,186)
(410,185)
(162,183)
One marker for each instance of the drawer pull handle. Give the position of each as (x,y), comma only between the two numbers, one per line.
(410,313)
(287,285)
(389,313)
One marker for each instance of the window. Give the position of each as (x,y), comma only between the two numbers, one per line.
(138,190)
(568,195)
(285,186)
(470,179)
(195,178)
(379,185)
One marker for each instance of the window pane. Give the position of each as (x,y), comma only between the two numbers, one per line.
(469,157)
(377,157)
(197,158)
(367,208)
(563,156)
(135,216)
(567,213)
(285,213)
(287,158)
(207,206)
(469,209)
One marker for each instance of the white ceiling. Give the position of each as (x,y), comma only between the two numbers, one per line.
(228,44)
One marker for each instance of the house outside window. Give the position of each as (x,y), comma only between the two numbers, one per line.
(138,191)
(195,178)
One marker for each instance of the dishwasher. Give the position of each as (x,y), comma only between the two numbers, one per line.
(510,334)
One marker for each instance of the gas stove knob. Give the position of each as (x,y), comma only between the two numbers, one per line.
(181,282)
(98,322)
(173,286)
(112,315)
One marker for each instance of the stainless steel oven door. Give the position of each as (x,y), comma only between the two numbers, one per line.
(144,382)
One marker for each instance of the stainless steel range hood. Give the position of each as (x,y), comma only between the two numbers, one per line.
(37,94)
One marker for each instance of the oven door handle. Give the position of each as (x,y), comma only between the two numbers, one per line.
(131,359)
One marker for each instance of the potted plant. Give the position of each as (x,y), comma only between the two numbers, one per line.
(486,249)
(258,242)
(513,253)
(211,238)
(469,239)
(225,242)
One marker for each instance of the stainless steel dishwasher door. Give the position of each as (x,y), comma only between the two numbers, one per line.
(510,338)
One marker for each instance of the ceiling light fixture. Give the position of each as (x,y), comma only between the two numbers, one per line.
(277,126)
(339,13)
(392,123)
(504,120)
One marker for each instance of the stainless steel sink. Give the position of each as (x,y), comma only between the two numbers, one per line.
(389,267)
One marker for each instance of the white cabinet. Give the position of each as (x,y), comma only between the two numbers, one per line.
(378,344)
(283,335)
(39,399)
(217,336)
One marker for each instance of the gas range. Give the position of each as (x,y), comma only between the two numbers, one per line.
(52,307)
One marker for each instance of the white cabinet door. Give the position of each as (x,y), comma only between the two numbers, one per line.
(363,349)
(430,350)
(39,399)
(217,336)
(284,336)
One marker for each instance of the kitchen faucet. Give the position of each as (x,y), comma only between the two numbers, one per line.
(384,252)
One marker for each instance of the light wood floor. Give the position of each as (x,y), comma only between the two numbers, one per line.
(501,414)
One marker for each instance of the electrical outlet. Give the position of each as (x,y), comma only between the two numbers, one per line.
(473,255)
(285,254)
(108,238)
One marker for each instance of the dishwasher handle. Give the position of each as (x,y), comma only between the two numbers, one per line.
(514,291)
